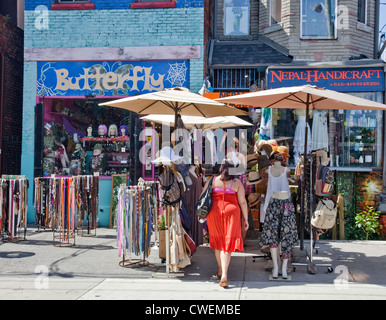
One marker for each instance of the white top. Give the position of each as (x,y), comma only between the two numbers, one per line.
(275,184)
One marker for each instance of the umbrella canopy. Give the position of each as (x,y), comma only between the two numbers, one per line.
(175,101)
(303,97)
(204,123)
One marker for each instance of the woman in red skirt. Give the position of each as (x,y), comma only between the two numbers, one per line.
(224,219)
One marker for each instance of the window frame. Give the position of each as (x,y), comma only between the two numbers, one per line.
(72,5)
(319,37)
(271,6)
(248,18)
(365,13)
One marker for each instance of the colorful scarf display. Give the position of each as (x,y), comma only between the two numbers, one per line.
(13,208)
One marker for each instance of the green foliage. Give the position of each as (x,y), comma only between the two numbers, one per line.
(368,221)
(161,223)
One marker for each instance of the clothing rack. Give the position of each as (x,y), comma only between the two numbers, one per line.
(134,224)
(309,207)
(13,207)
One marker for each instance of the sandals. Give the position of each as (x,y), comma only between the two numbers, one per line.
(216,276)
(223,283)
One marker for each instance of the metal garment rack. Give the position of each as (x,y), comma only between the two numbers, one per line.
(309,254)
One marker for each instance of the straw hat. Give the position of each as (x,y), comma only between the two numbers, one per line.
(253,177)
(167,156)
(253,199)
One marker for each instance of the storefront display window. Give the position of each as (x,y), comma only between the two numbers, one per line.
(81,137)
(353,138)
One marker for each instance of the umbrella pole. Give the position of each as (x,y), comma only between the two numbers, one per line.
(304,180)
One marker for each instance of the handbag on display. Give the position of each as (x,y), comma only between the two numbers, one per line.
(324,216)
(204,204)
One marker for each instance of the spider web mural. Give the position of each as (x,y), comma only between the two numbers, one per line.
(177,74)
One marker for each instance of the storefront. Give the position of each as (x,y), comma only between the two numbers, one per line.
(354,139)
(74,135)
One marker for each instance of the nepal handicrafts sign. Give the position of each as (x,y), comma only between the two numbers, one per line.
(110,78)
(338,79)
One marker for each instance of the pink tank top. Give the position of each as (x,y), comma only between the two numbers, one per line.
(227,190)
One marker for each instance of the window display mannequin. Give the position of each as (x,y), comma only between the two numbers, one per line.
(98,162)
(113,131)
(300,134)
(89,132)
(78,161)
(123,130)
(280,221)
(102,131)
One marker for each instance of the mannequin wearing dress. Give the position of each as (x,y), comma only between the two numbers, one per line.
(279,224)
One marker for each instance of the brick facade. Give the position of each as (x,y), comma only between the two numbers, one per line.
(11,52)
(353,40)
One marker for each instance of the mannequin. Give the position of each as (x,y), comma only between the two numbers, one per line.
(89,132)
(98,161)
(123,130)
(78,159)
(113,131)
(280,223)
(102,131)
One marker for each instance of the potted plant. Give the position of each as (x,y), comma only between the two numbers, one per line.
(161,232)
(368,221)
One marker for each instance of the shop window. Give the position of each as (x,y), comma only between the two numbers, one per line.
(352,138)
(318,19)
(236,17)
(275,12)
(81,137)
(362,11)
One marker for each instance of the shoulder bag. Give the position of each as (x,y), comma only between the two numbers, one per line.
(204,204)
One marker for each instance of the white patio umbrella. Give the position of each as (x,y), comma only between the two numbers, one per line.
(204,123)
(303,97)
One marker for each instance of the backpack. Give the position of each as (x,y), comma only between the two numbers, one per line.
(170,188)
(324,216)
(324,183)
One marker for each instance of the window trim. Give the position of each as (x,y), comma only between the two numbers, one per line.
(249,22)
(152,4)
(75,5)
(335,36)
(366,8)
(270,13)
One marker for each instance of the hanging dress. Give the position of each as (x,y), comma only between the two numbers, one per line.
(320,130)
(224,221)
(299,138)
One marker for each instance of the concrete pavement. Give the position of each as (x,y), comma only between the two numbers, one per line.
(35,269)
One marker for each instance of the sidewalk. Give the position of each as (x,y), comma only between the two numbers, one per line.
(35,269)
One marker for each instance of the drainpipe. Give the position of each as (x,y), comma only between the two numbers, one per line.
(2,82)
(376,29)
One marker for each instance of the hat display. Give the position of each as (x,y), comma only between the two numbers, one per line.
(253,199)
(98,148)
(252,160)
(267,148)
(253,177)
(167,156)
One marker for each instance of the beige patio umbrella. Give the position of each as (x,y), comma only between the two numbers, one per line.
(173,102)
(303,97)
(204,123)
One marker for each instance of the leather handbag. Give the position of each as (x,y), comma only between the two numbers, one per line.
(204,204)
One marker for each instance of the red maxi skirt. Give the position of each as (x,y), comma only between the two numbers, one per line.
(224,223)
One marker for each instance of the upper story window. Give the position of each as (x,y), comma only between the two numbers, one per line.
(275,12)
(236,17)
(72,5)
(362,11)
(318,19)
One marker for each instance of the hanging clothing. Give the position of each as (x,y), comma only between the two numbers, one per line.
(224,221)
(319,130)
(191,197)
(266,124)
(299,138)
(280,225)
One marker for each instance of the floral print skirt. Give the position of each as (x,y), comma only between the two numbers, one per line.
(280,225)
